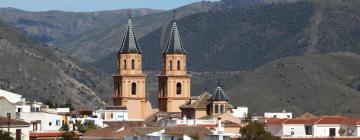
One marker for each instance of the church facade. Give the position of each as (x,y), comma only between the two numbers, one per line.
(129,79)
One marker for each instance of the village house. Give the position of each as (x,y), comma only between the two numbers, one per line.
(323,126)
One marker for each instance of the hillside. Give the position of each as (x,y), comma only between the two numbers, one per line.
(40,72)
(248,37)
(319,84)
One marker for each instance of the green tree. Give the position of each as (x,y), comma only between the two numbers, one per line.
(69,136)
(65,128)
(4,135)
(255,130)
(89,125)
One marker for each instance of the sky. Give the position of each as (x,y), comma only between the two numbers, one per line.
(93,5)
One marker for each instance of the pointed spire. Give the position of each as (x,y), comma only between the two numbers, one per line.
(219,95)
(129,43)
(174,44)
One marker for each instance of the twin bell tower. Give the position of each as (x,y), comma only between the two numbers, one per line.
(129,79)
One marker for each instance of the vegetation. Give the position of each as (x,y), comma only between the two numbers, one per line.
(255,130)
(85,127)
(4,135)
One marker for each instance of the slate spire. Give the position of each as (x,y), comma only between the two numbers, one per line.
(219,95)
(174,44)
(129,43)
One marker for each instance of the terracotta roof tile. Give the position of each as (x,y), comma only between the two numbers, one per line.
(4,122)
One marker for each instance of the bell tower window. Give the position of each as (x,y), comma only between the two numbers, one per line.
(178,88)
(216,109)
(170,65)
(178,65)
(222,109)
(124,64)
(133,64)
(133,89)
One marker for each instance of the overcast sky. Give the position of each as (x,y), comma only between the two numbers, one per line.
(93,5)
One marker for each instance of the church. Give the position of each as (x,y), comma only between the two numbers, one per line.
(174,82)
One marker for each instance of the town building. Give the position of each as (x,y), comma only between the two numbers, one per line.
(174,82)
(129,80)
(19,129)
(280,115)
(317,127)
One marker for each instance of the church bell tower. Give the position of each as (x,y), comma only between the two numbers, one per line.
(129,80)
(174,82)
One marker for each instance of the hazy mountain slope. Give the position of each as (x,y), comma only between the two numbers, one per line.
(40,72)
(51,26)
(233,39)
(98,43)
(320,84)
(245,38)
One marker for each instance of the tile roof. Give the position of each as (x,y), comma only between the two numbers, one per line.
(197,101)
(228,123)
(219,95)
(174,44)
(4,122)
(120,132)
(188,131)
(155,119)
(129,43)
(319,120)
(125,123)
(306,115)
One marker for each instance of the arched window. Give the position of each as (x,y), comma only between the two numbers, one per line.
(222,109)
(216,109)
(133,64)
(178,65)
(178,88)
(170,65)
(133,88)
(124,64)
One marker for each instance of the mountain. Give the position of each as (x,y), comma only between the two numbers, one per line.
(248,37)
(40,72)
(320,84)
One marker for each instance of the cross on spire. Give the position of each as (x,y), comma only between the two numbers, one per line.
(129,13)
(174,15)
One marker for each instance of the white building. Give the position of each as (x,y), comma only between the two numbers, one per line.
(43,121)
(324,126)
(18,128)
(12,97)
(280,115)
(240,112)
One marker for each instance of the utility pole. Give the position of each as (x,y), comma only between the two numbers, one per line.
(9,119)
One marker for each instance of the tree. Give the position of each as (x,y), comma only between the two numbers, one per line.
(65,128)
(255,130)
(5,135)
(69,136)
(341,132)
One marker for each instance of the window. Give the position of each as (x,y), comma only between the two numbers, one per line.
(274,116)
(332,132)
(170,65)
(308,130)
(133,88)
(178,65)
(57,122)
(292,131)
(124,64)
(50,123)
(19,110)
(216,109)
(222,109)
(133,64)
(178,88)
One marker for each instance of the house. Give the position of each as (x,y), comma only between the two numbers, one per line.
(323,126)
(18,128)
(280,115)
(12,97)
(6,107)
